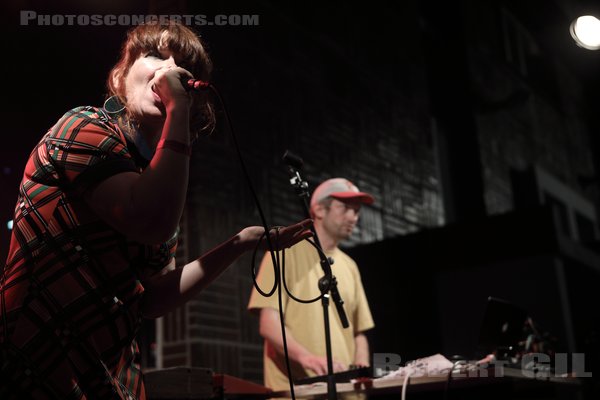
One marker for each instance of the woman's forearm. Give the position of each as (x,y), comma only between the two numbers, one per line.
(165,292)
(171,290)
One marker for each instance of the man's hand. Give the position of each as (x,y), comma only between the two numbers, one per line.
(318,364)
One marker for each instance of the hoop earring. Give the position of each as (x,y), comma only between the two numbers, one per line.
(113,106)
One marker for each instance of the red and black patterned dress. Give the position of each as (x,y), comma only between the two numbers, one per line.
(70,290)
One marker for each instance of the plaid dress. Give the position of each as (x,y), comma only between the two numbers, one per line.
(70,290)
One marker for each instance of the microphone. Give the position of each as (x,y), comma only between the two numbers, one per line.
(292,160)
(196,84)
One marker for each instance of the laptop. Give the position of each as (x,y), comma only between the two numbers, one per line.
(502,326)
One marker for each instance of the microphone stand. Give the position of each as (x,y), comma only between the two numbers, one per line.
(301,188)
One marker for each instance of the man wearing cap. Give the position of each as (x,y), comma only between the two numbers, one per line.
(334,207)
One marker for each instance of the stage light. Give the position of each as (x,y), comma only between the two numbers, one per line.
(9,225)
(585,30)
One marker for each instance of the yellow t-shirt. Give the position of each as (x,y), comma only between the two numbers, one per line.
(305,321)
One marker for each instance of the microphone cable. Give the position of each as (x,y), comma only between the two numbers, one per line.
(200,85)
(275,256)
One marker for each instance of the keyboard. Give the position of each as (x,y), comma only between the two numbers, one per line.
(344,376)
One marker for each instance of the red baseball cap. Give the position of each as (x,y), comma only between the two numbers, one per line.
(341,189)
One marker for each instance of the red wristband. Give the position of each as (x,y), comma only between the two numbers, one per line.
(175,146)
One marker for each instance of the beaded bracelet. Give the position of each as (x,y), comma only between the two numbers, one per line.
(175,146)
